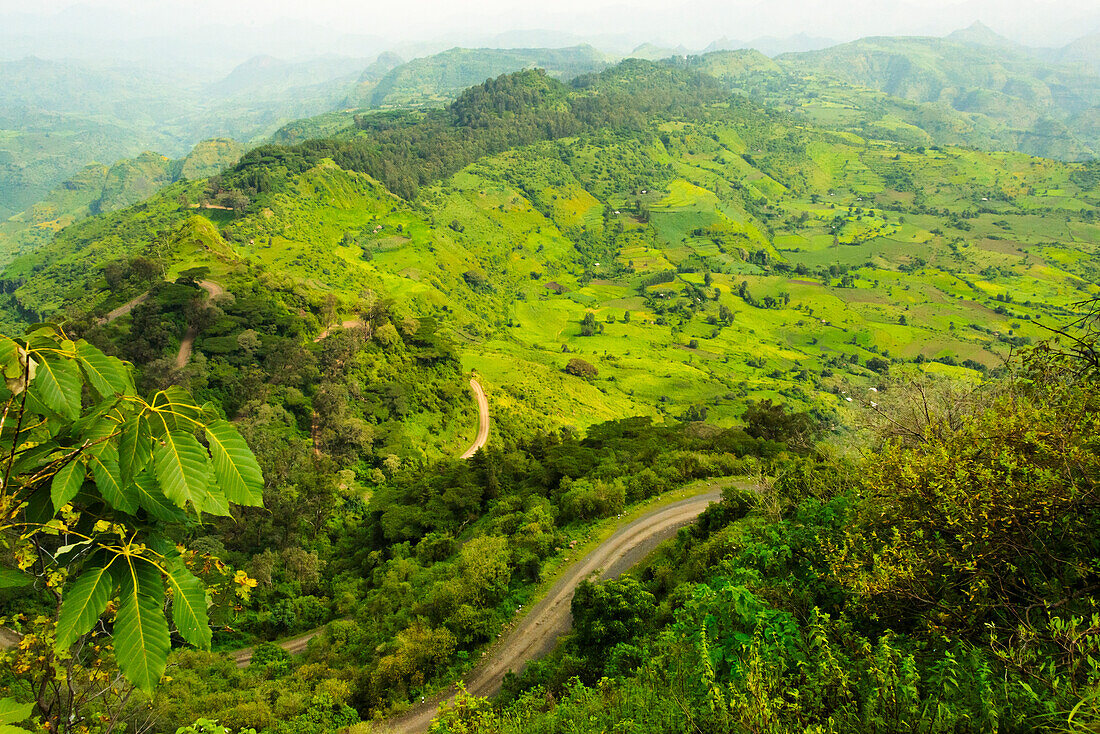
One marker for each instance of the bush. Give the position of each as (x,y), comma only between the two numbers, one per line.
(581,368)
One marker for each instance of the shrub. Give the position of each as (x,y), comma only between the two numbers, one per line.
(581,368)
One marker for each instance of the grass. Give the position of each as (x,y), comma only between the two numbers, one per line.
(931,265)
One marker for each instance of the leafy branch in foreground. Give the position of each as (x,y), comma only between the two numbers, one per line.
(92,479)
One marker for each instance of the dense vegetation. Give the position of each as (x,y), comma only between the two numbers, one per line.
(768,298)
(945,582)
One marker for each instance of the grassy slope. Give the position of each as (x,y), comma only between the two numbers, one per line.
(720,196)
(98,188)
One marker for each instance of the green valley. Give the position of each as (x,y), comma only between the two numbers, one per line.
(779,439)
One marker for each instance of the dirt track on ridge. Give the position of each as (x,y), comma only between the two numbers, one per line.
(188,343)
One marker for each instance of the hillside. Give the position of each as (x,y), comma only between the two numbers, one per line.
(754,257)
(666,291)
(98,188)
(1044,107)
(58,116)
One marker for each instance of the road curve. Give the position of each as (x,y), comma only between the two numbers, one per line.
(536,633)
(482,419)
(188,343)
(298,644)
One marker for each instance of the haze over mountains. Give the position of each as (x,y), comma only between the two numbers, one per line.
(62,113)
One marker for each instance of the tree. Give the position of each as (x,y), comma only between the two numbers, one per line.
(94,477)
(581,368)
(588,325)
(609,613)
(773,422)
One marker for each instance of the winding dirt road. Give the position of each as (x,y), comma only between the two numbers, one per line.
(298,644)
(294,646)
(183,356)
(188,343)
(482,419)
(536,633)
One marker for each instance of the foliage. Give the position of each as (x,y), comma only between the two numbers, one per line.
(941,586)
(94,478)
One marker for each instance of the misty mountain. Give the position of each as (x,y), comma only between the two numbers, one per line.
(433,80)
(1049,108)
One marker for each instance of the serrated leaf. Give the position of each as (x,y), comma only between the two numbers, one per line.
(29,461)
(188,605)
(152,499)
(66,483)
(141,630)
(83,603)
(236,469)
(135,447)
(216,504)
(104,373)
(11,579)
(182,468)
(58,383)
(105,472)
(96,430)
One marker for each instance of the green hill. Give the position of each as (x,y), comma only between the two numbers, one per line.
(58,116)
(434,80)
(756,257)
(1043,107)
(98,189)
(661,285)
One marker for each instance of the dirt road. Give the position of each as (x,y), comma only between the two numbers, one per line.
(188,343)
(293,646)
(349,324)
(298,644)
(123,309)
(482,419)
(537,633)
(9,638)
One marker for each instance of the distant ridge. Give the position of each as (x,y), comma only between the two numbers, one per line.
(979,34)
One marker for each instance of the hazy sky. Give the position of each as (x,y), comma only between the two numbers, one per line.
(693,23)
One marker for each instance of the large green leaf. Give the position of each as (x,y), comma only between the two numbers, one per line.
(235,468)
(108,479)
(188,604)
(216,503)
(182,468)
(66,483)
(58,383)
(83,603)
(135,446)
(12,711)
(11,578)
(107,375)
(151,498)
(10,364)
(173,407)
(141,630)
